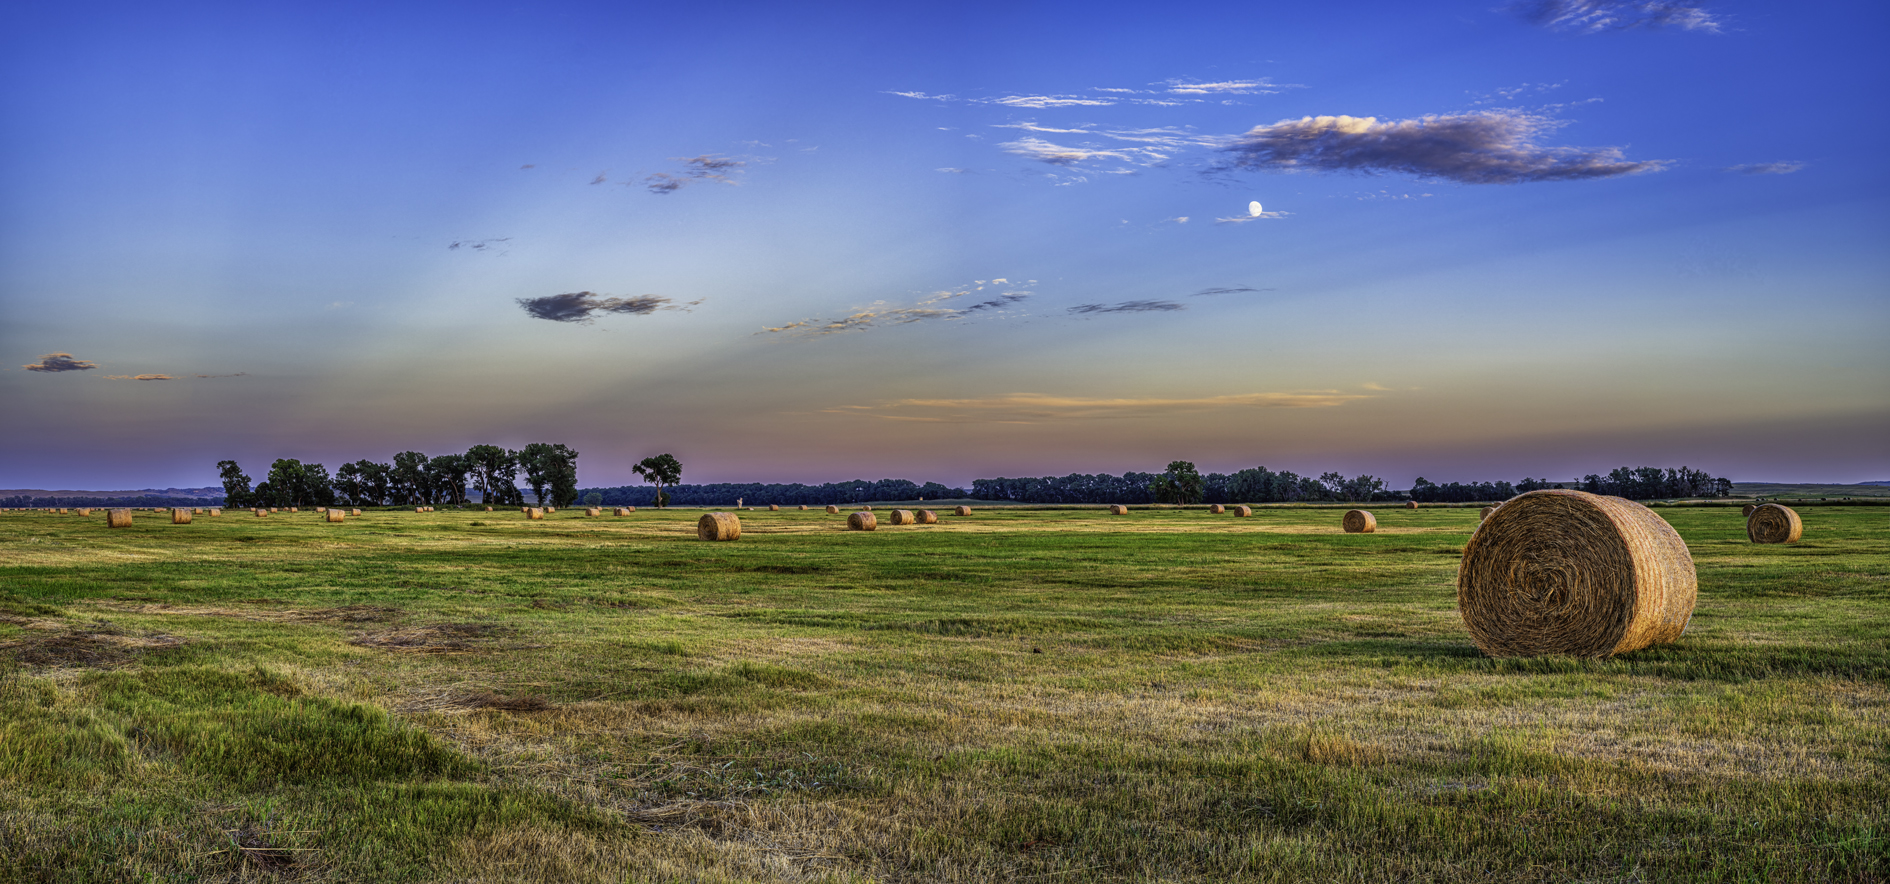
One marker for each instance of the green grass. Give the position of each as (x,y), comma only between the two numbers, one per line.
(1041,695)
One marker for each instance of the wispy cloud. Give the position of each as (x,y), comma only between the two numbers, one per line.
(1595,16)
(1483,147)
(1149,306)
(1035,407)
(942,305)
(1042,151)
(143,377)
(52,363)
(583,307)
(1222,87)
(1228,290)
(494,246)
(1242,219)
(1166,93)
(707,167)
(1779,168)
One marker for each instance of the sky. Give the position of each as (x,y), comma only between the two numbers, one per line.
(1460,240)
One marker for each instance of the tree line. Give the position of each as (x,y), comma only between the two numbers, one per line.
(1649,483)
(1181,483)
(763,494)
(413,479)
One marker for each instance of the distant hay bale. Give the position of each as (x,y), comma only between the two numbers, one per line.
(1118,509)
(594,511)
(1217,509)
(1750,508)
(902,517)
(963,511)
(551,509)
(532,512)
(180,516)
(926,517)
(1359,522)
(1410,504)
(261,512)
(832,510)
(272,509)
(118,518)
(866,509)
(719,526)
(1485,514)
(1243,511)
(354,512)
(419,509)
(1568,572)
(197,511)
(1774,523)
(335,515)
(62,511)
(624,511)
(862,521)
(488,509)
(803,507)
(85,511)
(294,509)
(773,508)
(216,511)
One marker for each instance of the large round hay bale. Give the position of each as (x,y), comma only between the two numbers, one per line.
(85,511)
(926,517)
(261,512)
(118,518)
(272,509)
(1359,522)
(195,511)
(180,516)
(1749,509)
(1774,523)
(1217,509)
(532,512)
(551,509)
(1243,511)
(803,507)
(719,526)
(774,508)
(902,517)
(832,510)
(1568,572)
(215,511)
(624,511)
(1118,509)
(594,511)
(963,511)
(862,521)
(335,515)
(62,511)
(295,509)
(1410,504)
(354,512)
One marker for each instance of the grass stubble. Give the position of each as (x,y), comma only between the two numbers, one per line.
(1028,695)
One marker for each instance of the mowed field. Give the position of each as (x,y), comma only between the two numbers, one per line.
(1016,695)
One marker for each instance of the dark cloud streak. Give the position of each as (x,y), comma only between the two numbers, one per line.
(58,362)
(1483,147)
(1127,307)
(706,167)
(583,307)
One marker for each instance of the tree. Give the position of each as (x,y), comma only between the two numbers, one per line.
(362,483)
(446,479)
(562,474)
(1180,484)
(594,498)
(661,470)
(236,491)
(407,481)
(293,483)
(494,472)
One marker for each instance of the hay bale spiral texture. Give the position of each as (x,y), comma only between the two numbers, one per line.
(926,517)
(862,521)
(902,517)
(1748,510)
(180,516)
(719,526)
(1243,511)
(1774,523)
(118,518)
(1217,509)
(832,510)
(1410,504)
(1485,514)
(774,508)
(963,511)
(1568,572)
(1359,522)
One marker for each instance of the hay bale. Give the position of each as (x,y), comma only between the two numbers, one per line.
(963,511)
(260,513)
(534,513)
(197,511)
(719,526)
(118,518)
(1568,572)
(335,515)
(1217,509)
(85,511)
(1774,523)
(1118,509)
(1359,522)
(926,517)
(1243,511)
(832,510)
(624,511)
(272,509)
(1410,504)
(803,507)
(419,509)
(1749,509)
(551,509)
(773,509)
(354,512)
(862,521)
(1485,514)
(594,511)
(902,517)
(866,509)
(216,511)
(294,509)
(62,511)
(180,516)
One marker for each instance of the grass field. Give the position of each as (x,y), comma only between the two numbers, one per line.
(1018,695)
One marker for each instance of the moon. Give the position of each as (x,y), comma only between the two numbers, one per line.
(1253,209)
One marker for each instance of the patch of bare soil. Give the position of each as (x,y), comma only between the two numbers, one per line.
(93,645)
(442,638)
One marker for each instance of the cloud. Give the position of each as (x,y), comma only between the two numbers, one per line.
(1595,16)
(707,167)
(583,307)
(52,363)
(1224,87)
(934,307)
(143,377)
(1242,219)
(1034,407)
(1128,307)
(1482,147)
(1227,290)
(496,245)
(240,374)
(1057,155)
(1780,168)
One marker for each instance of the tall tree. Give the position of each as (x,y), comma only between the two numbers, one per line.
(236,491)
(407,481)
(1181,483)
(663,469)
(446,478)
(538,461)
(288,483)
(494,472)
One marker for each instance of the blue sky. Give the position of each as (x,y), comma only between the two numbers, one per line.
(947,242)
